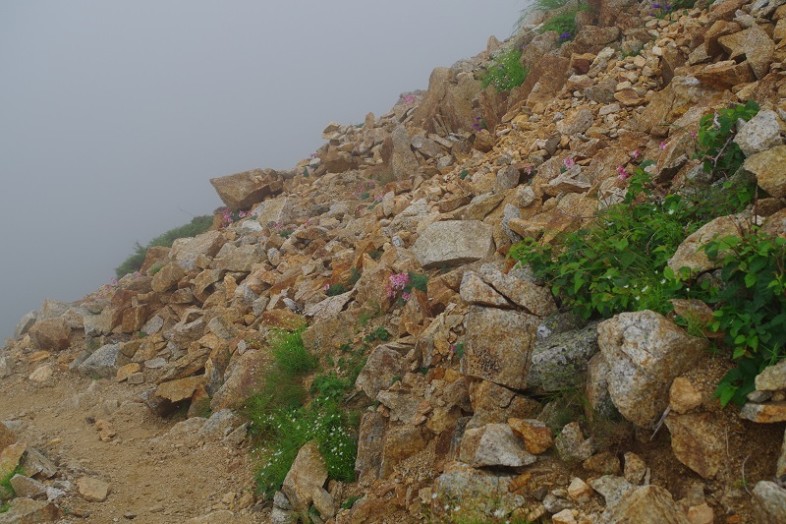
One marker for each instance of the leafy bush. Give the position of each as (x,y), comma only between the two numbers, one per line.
(721,156)
(505,71)
(750,306)
(290,353)
(134,262)
(564,24)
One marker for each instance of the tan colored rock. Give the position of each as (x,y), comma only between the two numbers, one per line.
(52,334)
(781,466)
(93,489)
(403,163)
(167,277)
(453,242)
(105,430)
(635,468)
(186,251)
(242,190)
(754,44)
(179,389)
(769,502)
(494,445)
(725,74)
(645,353)
(10,457)
(571,444)
(7,437)
(41,374)
(697,442)
(384,363)
(307,474)
(628,97)
(690,253)
(535,299)
(604,463)
(23,510)
(401,442)
(579,491)
(564,517)
(27,487)
(243,378)
(701,514)
(716,30)
(535,434)
(371,436)
(576,123)
(475,291)
(683,397)
(768,168)
(646,505)
(126,371)
(503,360)
(764,413)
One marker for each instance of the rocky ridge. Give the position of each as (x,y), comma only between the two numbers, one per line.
(488,399)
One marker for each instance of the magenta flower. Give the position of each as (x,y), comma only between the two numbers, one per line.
(635,154)
(662,146)
(569,162)
(622,173)
(396,284)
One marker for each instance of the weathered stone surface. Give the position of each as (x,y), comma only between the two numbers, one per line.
(507,178)
(634,469)
(42,374)
(382,365)
(242,379)
(571,444)
(764,413)
(760,133)
(505,360)
(754,44)
(474,291)
(770,502)
(23,510)
(27,487)
(239,259)
(579,491)
(604,463)
(480,490)
(768,168)
(535,434)
(7,437)
(279,210)
(725,74)
(696,439)
(781,465)
(453,242)
(645,353)
(242,190)
(52,334)
(611,488)
(307,474)
(179,389)
(403,162)
(103,362)
(93,489)
(690,253)
(560,361)
(535,299)
(494,445)
(683,397)
(370,445)
(186,251)
(167,277)
(401,442)
(577,123)
(772,378)
(126,371)
(645,505)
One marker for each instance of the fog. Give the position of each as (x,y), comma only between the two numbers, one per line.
(114,115)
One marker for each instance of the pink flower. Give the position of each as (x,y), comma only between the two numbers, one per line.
(569,162)
(635,154)
(662,146)
(326,287)
(622,173)
(396,284)
(405,296)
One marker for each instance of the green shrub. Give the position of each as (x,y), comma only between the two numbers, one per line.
(564,24)
(197,226)
(750,306)
(720,155)
(380,334)
(505,71)
(291,355)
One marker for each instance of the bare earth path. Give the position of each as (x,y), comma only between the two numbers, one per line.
(156,477)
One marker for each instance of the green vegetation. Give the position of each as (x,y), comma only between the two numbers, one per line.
(721,156)
(505,71)
(342,287)
(283,421)
(618,263)
(379,333)
(6,489)
(563,21)
(196,227)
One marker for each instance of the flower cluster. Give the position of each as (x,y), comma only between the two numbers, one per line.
(478,124)
(567,164)
(228,216)
(565,36)
(397,285)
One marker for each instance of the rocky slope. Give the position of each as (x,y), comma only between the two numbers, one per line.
(487,402)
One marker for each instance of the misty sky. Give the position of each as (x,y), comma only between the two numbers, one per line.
(114,115)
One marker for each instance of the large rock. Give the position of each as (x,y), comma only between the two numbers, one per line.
(494,445)
(243,378)
(179,389)
(696,440)
(474,291)
(645,505)
(93,489)
(384,363)
(768,168)
(403,162)
(167,277)
(307,474)
(645,353)
(760,133)
(484,492)
(103,362)
(240,259)
(186,251)
(770,502)
(7,437)
(690,254)
(577,123)
(279,210)
(370,445)
(535,299)
(23,510)
(560,361)
(498,345)
(401,442)
(52,334)
(754,44)
(242,190)
(453,242)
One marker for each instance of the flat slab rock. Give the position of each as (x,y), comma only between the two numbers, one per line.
(453,242)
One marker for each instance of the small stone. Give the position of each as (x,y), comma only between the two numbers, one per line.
(307,474)
(136,378)
(701,514)
(105,430)
(768,168)
(563,517)
(635,468)
(41,374)
(772,378)
(604,463)
(92,489)
(579,490)
(126,371)
(27,487)
(536,435)
(571,443)
(764,413)
(683,397)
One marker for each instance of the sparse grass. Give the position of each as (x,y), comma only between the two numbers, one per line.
(6,489)
(290,354)
(505,71)
(380,334)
